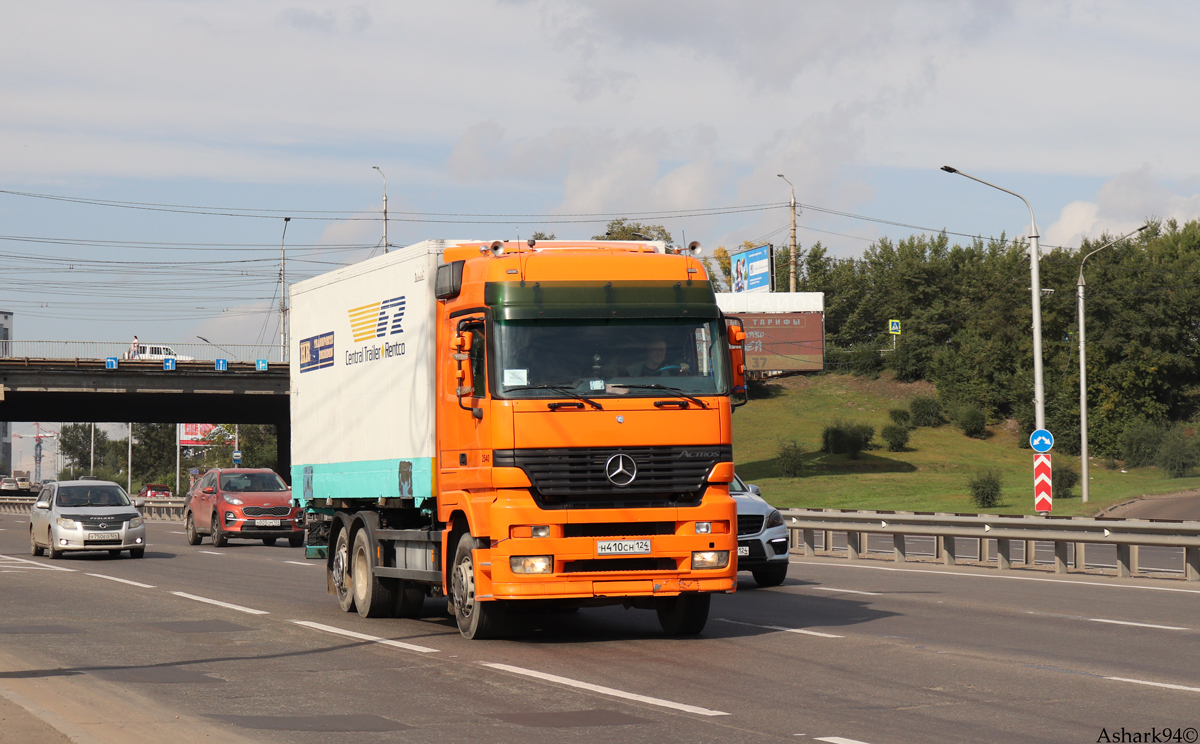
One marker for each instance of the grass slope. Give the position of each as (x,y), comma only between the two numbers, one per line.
(930,476)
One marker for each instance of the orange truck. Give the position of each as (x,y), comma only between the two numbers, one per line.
(517,426)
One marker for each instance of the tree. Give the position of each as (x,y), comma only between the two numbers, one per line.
(539,235)
(75,443)
(622,229)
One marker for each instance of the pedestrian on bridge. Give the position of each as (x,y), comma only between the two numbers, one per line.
(133,348)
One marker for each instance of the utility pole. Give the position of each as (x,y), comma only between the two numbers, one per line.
(283,293)
(791,240)
(385,240)
(92,463)
(129,462)
(178,460)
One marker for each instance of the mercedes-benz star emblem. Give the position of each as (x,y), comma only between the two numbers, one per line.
(621,470)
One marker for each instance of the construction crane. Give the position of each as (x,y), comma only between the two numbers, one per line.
(37,448)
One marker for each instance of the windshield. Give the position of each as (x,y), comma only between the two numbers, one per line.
(252,483)
(98,495)
(598,357)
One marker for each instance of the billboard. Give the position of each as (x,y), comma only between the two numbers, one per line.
(201,435)
(752,270)
(784,342)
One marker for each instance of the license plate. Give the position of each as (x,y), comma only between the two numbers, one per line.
(622,547)
(104,535)
(266,522)
(744,550)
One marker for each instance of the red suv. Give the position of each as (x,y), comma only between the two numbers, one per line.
(243,503)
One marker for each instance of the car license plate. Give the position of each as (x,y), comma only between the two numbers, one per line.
(266,523)
(622,547)
(743,550)
(104,535)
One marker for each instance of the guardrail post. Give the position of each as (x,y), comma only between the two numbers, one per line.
(852,545)
(1125,563)
(983,550)
(1004,554)
(937,547)
(948,547)
(1080,556)
(898,552)
(1191,564)
(827,540)
(1030,553)
(810,540)
(1060,557)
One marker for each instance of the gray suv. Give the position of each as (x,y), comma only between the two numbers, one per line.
(86,515)
(762,538)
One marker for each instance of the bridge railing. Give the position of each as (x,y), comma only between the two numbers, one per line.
(151,350)
(952,531)
(164,510)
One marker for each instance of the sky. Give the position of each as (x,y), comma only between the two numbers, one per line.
(559,116)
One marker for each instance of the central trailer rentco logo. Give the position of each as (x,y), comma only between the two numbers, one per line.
(377,320)
(621,470)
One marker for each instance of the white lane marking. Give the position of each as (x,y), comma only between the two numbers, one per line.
(365,637)
(177,533)
(567,681)
(209,552)
(15,562)
(298,563)
(123,581)
(838,740)
(780,627)
(845,591)
(1155,684)
(219,603)
(1000,576)
(1136,625)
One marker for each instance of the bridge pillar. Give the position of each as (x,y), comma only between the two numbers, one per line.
(283,449)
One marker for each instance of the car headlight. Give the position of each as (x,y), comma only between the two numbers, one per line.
(233,500)
(710,559)
(531,564)
(67,523)
(136,522)
(774,519)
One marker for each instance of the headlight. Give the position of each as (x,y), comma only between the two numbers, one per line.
(775,519)
(233,500)
(531,564)
(703,528)
(541,530)
(136,522)
(66,523)
(710,559)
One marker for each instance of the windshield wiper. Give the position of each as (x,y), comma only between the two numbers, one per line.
(561,389)
(676,391)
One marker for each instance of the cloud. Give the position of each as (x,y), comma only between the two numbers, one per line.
(1122,204)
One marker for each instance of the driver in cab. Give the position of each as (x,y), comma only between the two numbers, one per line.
(655,364)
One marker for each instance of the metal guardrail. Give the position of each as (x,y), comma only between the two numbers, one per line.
(166,510)
(120,350)
(947,529)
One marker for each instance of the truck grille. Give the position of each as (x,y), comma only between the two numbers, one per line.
(575,477)
(750,524)
(601,565)
(618,529)
(266,511)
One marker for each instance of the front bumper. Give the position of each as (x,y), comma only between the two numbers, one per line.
(768,546)
(76,538)
(248,527)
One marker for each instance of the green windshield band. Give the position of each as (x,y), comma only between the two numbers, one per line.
(631,299)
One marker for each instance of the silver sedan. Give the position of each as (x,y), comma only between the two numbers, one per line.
(86,515)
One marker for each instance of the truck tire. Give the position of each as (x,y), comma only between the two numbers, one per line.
(410,599)
(683,615)
(373,596)
(339,571)
(193,537)
(772,575)
(475,619)
(34,548)
(218,537)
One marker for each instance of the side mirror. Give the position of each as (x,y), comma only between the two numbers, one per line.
(737,362)
(207,490)
(42,505)
(465,382)
(139,503)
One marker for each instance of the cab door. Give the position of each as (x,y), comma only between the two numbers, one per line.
(465,457)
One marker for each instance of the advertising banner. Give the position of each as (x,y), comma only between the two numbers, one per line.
(752,270)
(200,435)
(783,342)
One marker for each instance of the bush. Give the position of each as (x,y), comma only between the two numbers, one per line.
(1177,453)
(900,417)
(926,411)
(847,438)
(985,488)
(788,455)
(896,436)
(1062,480)
(972,420)
(1140,444)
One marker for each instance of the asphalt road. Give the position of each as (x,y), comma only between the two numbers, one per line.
(1184,506)
(121,650)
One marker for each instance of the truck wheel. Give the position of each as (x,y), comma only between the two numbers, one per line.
(770,575)
(475,619)
(410,599)
(373,596)
(34,548)
(339,571)
(218,537)
(683,615)
(268,541)
(189,528)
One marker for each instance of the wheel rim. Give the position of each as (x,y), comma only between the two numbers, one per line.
(340,559)
(464,587)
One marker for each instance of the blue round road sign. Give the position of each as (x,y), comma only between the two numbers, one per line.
(1041,440)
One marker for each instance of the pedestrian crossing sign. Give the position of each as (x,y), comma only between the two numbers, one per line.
(894,327)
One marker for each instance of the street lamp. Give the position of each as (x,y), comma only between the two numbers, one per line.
(1039,396)
(792,239)
(1083,443)
(210,343)
(385,240)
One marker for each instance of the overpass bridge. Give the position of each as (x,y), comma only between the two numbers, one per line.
(96,381)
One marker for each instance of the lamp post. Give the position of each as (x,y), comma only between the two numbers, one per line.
(791,239)
(1083,426)
(385,240)
(1039,395)
(283,292)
